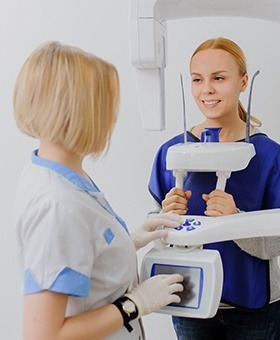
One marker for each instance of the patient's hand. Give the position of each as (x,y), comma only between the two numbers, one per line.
(176,201)
(219,203)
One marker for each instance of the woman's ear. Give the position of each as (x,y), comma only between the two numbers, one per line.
(244,82)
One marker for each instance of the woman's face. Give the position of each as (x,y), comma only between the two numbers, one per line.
(216,83)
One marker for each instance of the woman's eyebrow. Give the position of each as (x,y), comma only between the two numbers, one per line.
(213,73)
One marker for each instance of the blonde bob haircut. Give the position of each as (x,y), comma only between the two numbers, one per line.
(237,53)
(68,96)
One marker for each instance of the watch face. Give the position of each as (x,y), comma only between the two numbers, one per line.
(129,306)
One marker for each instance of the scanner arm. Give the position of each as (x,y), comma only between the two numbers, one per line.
(197,230)
(265,247)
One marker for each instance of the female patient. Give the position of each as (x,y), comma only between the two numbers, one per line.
(250,305)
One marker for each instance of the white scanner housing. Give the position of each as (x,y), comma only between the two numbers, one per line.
(222,158)
(181,252)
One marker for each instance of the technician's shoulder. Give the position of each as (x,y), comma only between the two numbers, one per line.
(52,203)
(38,181)
(45,190)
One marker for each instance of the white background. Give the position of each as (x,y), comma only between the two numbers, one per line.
(102,27)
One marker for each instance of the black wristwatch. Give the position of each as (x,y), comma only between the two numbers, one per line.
(128,310)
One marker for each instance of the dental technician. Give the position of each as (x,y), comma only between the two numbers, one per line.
(78,260)
(250,303)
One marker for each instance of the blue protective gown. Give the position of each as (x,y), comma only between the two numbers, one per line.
(246,277)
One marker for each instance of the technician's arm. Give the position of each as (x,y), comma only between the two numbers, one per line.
(44,312)
(44,318)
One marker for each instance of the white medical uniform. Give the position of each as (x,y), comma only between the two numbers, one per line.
(70,241)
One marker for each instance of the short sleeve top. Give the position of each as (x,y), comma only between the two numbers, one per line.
(69,239)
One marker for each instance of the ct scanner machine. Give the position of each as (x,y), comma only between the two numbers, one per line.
(181,250)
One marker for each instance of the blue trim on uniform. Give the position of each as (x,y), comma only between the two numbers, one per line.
(78,180)
(30,284)
(108,235)
(122,222)
(68,282)
(110,209)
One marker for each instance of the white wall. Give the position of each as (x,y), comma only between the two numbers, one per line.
(101,26)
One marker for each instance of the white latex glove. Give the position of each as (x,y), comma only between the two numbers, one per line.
(156,292)
(149,231)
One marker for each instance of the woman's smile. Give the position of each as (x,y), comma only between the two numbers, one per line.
(211,103)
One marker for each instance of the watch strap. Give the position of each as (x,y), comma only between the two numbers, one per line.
(127,317)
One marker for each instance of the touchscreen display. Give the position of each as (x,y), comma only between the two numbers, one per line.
(193,274)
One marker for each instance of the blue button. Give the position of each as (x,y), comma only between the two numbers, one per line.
(197,223)
(188,221)
(190,228)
